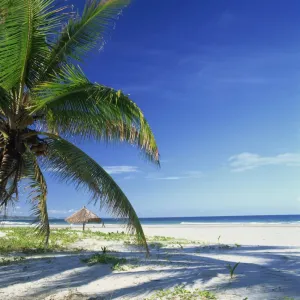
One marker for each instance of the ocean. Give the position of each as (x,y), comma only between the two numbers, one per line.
(271,219)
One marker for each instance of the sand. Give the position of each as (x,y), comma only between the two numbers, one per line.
(269,257)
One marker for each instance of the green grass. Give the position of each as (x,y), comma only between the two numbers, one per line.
(165,240)
(25,239)
(181,293)
(100,258)
(128,239)
(120,267)
(117,263)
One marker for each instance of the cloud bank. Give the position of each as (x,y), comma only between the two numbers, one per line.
(248,161)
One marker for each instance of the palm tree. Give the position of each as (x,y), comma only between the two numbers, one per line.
(46,102)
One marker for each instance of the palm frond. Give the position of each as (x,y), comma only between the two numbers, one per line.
(11,41)
(6,103)
(38,194)
(73,106)
(24,29)
(72,165)
(83,33)
(10,174)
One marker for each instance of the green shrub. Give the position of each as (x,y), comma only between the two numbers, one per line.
(104,259)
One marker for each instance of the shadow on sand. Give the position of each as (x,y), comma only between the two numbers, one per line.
(263,273)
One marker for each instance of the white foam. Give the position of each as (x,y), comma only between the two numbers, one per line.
(238,223)
(13,223)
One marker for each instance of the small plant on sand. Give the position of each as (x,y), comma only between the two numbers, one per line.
(232,269)
(104,259)
(181,293)
(119,267)
(225,247)
(104,250)
(11,260)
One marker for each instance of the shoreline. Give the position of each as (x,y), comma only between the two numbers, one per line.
(194,225)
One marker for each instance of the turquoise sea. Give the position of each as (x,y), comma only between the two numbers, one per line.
(272,219)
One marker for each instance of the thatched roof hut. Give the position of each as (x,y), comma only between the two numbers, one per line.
(83,216)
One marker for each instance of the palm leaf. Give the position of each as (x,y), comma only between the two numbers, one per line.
(84,33)
(6,103)
(38,194)
(72,165)
(74,106)
(10,174)
(24,29)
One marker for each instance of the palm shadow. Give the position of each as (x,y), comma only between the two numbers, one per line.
(275,268)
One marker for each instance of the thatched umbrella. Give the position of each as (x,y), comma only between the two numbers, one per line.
(83,216)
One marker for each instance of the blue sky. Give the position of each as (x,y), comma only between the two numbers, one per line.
(219,82)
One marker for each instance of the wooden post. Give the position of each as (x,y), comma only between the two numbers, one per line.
(83,226)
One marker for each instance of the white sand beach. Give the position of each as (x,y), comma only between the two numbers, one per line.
(269,257)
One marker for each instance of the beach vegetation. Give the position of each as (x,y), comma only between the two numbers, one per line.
(47,105)
(4,261)
(25,240)
(104,250)
(156,245)
(224,247)
(180,246)
(100,258)
(232,269)
(123,267)
(180,292)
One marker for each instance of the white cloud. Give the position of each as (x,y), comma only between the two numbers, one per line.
(61,212)
(55,211)
(248,161)
(121,169)
(18,207)
(169,178)
(187,174)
